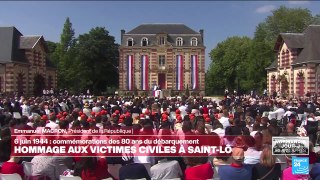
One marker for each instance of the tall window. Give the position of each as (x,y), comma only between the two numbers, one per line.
(179,41)
(130,42)
(144,42)
(161,40)
(162,60)
(194,41)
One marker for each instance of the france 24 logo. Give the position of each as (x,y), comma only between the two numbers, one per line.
(300,165)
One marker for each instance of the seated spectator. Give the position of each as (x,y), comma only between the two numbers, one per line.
(289,130)
(225,119)
(132,170)
(267,137)
(92,168)
(186,129)
(257,124)
(236,170)
(315,171)
(199,168)
(218,128)
(166,169)
(273,128)
(312,155)
(312,128)
(287,173)
(237,129)
(47,166)
(267,168)
(12,166)
(251,155)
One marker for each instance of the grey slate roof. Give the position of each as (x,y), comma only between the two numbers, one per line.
(307,44)
(162,28)
(311,51)
(9,41)
(13,45)
(28,42)
(173,31)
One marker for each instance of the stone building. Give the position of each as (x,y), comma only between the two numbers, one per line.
(24,65)
(171,56)
(296,71)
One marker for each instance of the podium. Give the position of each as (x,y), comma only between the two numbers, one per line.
(158,93)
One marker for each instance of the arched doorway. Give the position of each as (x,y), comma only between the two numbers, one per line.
(39,84)
(20,79)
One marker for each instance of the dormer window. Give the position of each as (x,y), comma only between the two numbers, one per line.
(161,40)
(144,42)
(130,42)
(194,41)
(179,41)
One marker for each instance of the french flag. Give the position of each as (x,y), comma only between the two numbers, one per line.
(179,72)
(144,72)
(130,72)
(194,71)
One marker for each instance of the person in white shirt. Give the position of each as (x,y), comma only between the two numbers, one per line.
(251,155)
(63,105)
(166,169)
(86,110)
(224,120)
(25,109)
(52,121)
(182,109)
(278,114)
(97,108)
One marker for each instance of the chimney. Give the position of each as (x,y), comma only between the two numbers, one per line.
(122,33)
(201,32)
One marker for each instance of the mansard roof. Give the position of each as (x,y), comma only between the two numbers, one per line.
(172,31)
(162,28)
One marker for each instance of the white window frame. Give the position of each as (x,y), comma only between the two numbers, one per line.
(129,39)
(144,39)
(164,40)
(195,40)
(179,41)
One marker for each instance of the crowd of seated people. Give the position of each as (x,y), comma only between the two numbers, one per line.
(245,123)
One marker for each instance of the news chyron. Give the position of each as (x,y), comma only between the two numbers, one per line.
(290,145)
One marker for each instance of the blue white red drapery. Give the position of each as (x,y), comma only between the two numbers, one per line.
(144,72)
(179,72)
(194,71)
(130,72)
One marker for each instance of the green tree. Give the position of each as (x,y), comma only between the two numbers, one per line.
(65,54)
(228,59)
(286,20)
(96,63)
(52,48)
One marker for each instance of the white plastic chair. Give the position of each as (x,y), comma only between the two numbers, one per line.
(113,169)
(27,168)
(14,176)
(70,177)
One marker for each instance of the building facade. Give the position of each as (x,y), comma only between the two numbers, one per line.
(296,71)
(24,65)
(171,56)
